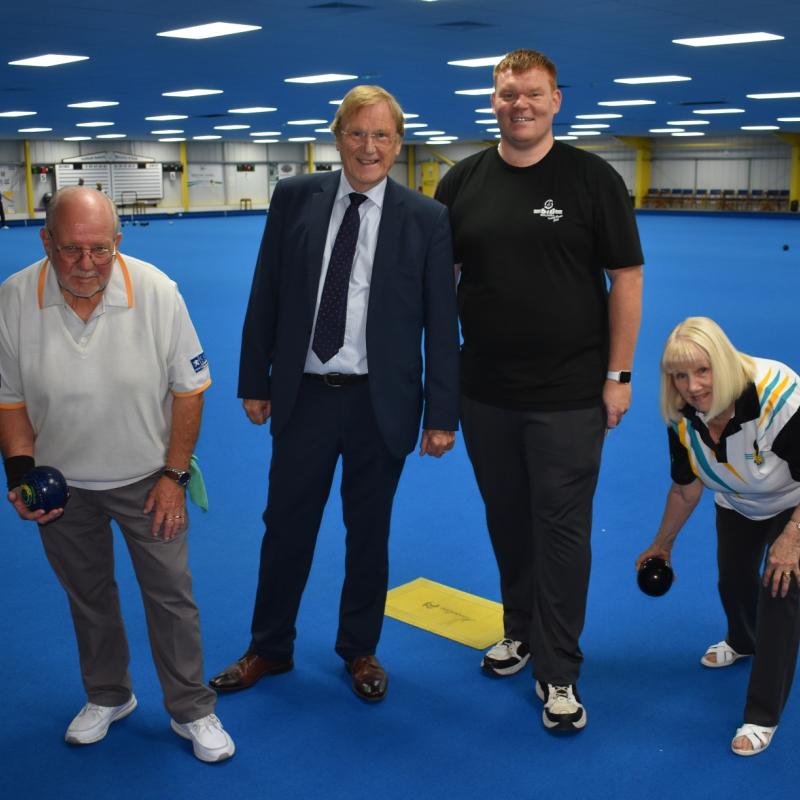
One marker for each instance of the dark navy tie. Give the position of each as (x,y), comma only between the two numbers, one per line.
(332,313)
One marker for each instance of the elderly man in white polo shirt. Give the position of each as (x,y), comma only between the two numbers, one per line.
(102,376)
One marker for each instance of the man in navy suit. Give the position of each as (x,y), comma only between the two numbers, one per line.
(354,272)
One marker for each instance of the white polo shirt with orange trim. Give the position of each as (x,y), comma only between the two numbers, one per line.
(99,394)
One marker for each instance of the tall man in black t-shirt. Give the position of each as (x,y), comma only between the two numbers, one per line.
(548,350)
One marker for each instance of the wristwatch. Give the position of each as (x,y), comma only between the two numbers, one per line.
(620,376)
(180,476)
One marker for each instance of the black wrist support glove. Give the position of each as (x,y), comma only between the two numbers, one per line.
(16,468)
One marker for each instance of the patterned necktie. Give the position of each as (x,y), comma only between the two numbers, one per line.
(332,313)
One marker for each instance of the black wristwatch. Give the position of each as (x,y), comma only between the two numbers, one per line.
(180,476)
(621,376)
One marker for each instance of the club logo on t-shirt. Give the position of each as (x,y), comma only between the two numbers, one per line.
(548,212)
(199,362)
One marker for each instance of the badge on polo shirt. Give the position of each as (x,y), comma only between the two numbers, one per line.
(199,362)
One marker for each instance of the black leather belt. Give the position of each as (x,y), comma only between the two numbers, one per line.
(336,379)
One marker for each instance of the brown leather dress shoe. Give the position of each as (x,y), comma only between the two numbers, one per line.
(245,671)
(370,680)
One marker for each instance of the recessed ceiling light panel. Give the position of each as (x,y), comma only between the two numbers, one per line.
(47,60)
(93,104)
(653,79)
(328,77)
(191,93)
(209,30)
(732,38)
(487,61)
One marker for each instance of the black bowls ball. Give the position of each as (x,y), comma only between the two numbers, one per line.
(655,576)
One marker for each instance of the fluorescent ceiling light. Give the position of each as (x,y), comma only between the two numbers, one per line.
(666,130)
(48,60)
(760,127)
(209,31)
(93,124)
(732,38)
(232,127)
(33,130)
(77,138)
(718,111)
(252,110)
(303,139)
(416,125)
(410,116)
(166,117)
(493,130)
(265,133)
(590,126)
(173,139)
(335,102)
(111,136)
(322,130)
(653,79)
(93,104)
(444,138)
(264,141)
(688,133)
(488,61)
(774,96)
(780,119)
(428,133)
(586,133)
(565,138)
(206,137)
(191,93)
(598,116)
(627,103)
(17,113)
(689,122)
(438,141)
(490,90)
(484,111)
(485,121)
(328,77)
(306,122)
(166,131)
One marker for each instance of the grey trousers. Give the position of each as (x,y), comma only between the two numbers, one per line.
(758,623)
(537,472)
(80,548)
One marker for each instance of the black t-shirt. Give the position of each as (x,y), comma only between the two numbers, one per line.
(533,244)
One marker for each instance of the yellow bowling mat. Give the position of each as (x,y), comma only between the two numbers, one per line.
(463,617)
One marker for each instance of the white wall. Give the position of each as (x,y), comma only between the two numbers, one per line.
(734,164)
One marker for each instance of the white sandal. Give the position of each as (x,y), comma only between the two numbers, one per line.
(724,655)
(760,736)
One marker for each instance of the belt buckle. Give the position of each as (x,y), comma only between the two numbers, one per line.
(331,378)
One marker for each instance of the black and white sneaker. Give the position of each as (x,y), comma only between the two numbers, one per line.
(563,711)
(506,658)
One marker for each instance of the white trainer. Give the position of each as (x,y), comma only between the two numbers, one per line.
(209,739)
(563,711)
(507,657)
(93,721)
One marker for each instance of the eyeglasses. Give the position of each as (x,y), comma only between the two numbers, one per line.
(381,138)
(99,254)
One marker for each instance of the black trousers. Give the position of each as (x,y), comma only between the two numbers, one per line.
(537,472)
(327,423)
(768,627)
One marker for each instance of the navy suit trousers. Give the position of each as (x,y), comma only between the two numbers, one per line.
(326,423)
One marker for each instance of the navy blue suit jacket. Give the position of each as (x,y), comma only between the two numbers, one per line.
(411,301)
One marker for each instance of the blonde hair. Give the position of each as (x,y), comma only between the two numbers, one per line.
(522,60)
(361,96)
(692,340)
